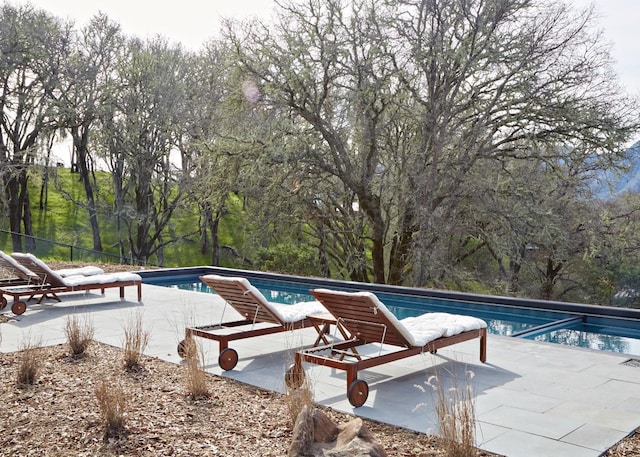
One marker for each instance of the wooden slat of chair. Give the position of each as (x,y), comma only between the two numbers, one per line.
(361,318)
(242,300)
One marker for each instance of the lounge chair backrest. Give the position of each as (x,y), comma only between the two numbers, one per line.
(10,264)
(364,316)
(46,274)
(243,297)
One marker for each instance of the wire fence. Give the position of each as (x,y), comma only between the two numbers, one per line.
(43,248)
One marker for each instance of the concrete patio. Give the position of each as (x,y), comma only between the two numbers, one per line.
(533,399)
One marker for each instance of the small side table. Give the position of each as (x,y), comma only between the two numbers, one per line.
(322,322)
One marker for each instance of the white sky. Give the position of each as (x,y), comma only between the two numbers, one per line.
(619,20)
(192,22)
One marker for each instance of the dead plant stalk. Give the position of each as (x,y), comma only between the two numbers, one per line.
(112,403)
(197,386)
(30,362)
(136,339)
(79,333)
(296,398)
(455,413)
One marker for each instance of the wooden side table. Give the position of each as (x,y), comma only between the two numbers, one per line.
(322,322)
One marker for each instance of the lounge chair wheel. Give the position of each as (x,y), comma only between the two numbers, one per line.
(358,392)
(18,308)
(228,359)
(186,347)
(3,303)
(294,376)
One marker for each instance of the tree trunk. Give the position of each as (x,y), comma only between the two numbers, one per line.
(371,207)
(12,189)
(81,142)
(215,242)
(29,241)
(400,257)
(205,223)
(550,277)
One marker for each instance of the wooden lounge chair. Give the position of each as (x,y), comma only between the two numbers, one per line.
(52,283)
(258,317)
(20,275)
(368,320)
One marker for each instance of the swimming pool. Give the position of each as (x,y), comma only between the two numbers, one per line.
(593,327)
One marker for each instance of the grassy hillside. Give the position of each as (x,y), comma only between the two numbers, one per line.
(61,223)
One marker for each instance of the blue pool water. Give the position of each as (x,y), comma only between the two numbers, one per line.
(607,334)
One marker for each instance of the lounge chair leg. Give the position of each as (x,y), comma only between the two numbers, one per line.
(352,375)
(294,376)
(483,345)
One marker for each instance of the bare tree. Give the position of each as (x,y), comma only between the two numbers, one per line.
(204,144)
(500,81)
(88,79)
(138,140)
(321,68)
(402,105)
(33,46)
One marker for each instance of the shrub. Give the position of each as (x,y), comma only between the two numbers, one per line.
(296,398)
(289,259)
(456,415)
(136,339)
(196,379)
(112,403)
(79,332)
(29,363)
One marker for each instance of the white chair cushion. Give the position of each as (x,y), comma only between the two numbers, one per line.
(89,270)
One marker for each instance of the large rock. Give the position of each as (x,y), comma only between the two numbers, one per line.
(315,435)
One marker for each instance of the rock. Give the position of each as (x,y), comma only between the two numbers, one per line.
(315,435)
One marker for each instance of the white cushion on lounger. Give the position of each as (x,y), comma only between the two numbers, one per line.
(287,313)
(426,326)
(89,270)
(297,311)
(126,276)
(74,281)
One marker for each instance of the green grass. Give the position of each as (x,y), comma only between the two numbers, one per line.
(66,222)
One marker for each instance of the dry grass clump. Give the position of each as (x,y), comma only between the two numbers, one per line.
(112,403)
(136,339)
(29,363)
(79,332)
(456,415)
(297,398)
(196,379)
